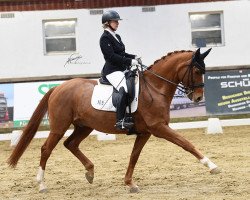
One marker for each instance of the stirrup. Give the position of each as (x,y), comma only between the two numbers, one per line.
(122,124)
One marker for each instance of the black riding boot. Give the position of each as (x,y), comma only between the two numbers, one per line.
(122,123)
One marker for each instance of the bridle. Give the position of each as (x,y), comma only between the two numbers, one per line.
(189,72)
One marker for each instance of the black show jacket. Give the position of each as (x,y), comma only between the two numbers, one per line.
(116,59)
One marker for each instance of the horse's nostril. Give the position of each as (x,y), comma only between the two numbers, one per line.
(198,99)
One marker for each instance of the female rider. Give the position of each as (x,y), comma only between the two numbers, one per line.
(117,61)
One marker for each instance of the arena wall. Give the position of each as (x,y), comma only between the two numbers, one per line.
(149,34)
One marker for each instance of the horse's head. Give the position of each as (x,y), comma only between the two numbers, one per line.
(191,76)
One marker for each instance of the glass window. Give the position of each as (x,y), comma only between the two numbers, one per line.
(206,29)
(60,36)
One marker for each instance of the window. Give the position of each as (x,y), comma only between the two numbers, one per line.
(206,29)
(148,9)
(7,15)
(59,36)
(96,12)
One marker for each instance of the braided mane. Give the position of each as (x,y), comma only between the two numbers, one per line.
(168,55)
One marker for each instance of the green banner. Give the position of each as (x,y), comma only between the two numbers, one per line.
(22,123)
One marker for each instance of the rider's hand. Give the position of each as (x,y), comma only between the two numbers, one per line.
(138,58)
(134,62)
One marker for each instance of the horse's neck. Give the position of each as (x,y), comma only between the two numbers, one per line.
(162,86)
(168,68)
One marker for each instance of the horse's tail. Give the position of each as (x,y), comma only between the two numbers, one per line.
(30,130)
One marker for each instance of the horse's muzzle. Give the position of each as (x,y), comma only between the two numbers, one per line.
(195,97)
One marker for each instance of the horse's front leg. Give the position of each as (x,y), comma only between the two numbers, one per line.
(138,145)
(164,131)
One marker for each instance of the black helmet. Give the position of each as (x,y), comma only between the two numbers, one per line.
(110,15)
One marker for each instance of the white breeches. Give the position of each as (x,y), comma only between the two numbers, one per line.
(118,80)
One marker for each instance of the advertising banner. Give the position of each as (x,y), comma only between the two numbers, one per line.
(26,99)
(227,92)
(23,98)
(182,106)
(6,105)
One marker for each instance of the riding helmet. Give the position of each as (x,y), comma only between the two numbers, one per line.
(110,15)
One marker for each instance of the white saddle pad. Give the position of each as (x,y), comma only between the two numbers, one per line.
(102,97)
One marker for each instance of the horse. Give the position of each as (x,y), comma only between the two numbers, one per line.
(70,104)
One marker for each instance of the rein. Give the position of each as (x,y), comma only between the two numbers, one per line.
(180,87)
(188,90)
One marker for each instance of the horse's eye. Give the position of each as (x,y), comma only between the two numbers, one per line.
(197,71)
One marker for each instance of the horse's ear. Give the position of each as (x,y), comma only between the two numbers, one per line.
(204,55)
(197,55)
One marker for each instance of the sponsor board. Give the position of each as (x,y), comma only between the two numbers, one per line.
(227,92)
(26,99)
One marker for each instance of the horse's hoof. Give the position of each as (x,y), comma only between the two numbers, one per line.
(89,177)
(45,190)
(134,189)
(42,188)
(215,171)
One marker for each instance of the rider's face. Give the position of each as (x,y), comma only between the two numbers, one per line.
(114,24)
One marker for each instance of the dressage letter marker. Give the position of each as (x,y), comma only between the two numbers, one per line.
(214,126)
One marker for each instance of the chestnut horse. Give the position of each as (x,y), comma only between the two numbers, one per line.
(70,103)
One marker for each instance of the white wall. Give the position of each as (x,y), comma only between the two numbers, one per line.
(150,35)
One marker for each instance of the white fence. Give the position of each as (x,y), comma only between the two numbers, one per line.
(213,126)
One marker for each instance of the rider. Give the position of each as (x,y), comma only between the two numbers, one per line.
(117,61)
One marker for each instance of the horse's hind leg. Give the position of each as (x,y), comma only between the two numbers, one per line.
(72,144)
(48,146)
(163,131)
